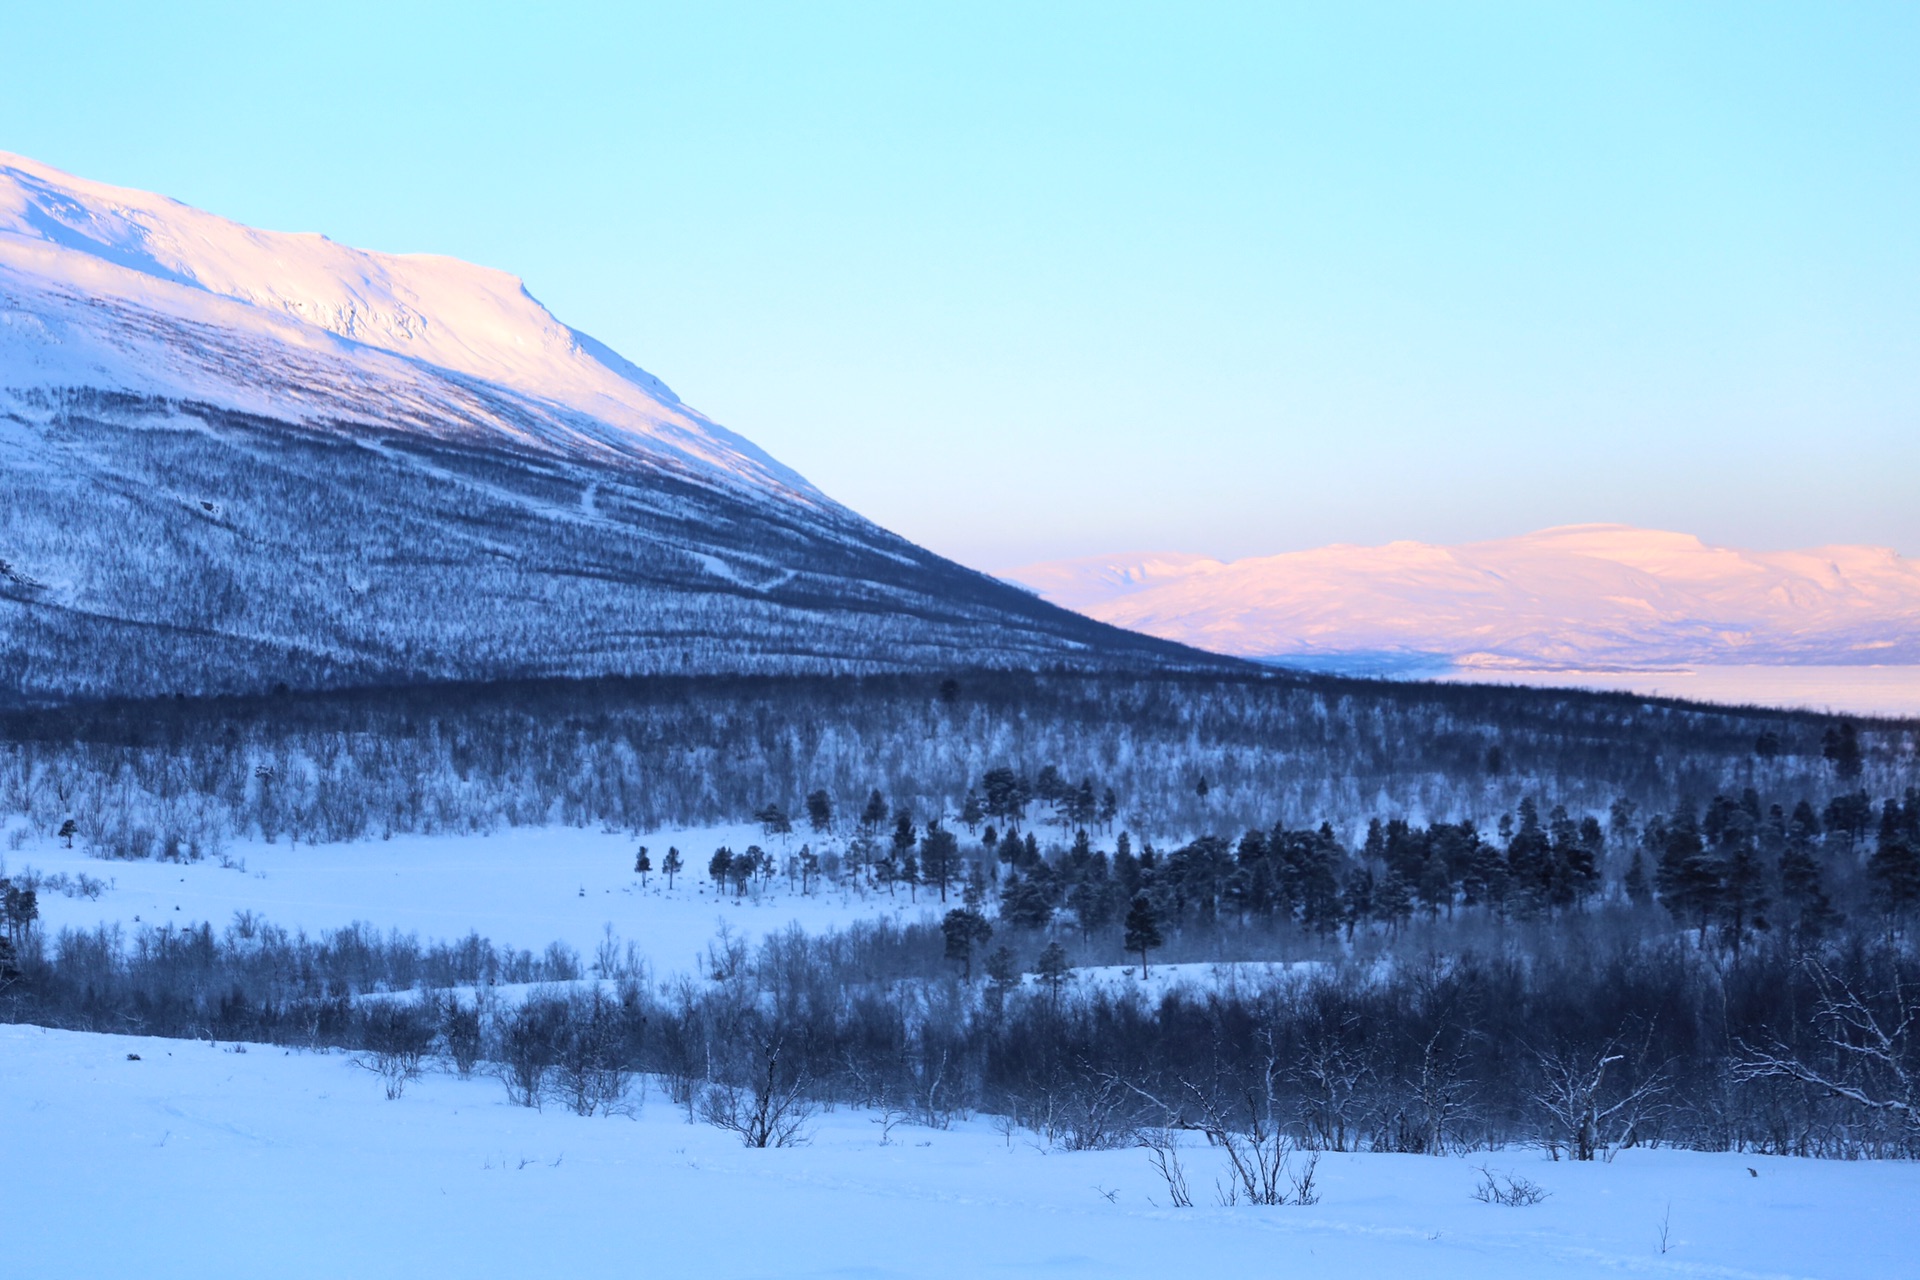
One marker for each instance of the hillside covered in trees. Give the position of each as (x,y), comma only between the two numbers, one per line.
(233,459)
(171,775)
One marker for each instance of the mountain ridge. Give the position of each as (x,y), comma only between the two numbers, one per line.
(1567,596)
(234,459)
(466,321)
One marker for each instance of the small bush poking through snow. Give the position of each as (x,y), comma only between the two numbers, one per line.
(1500,1188)
(460,1028)
(398,1038)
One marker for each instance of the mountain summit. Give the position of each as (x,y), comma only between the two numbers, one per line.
(1592,596)
(232,459)
(105,286)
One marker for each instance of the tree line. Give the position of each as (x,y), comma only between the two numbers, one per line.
(1732,869)
(1584,1036)
(1171,755)
(202,551)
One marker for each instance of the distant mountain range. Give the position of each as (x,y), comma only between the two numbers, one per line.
(1589,597)
(232,459)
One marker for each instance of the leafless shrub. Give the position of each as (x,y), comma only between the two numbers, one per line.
(398,1036)
(527,1045)
(1078,1108)
(1871,1042)
(770,1109)
(1334,1076)
(460,1032)
(680,1046)
(589,1070)
(1260,1161)
(1582,1094)
(81,885)
(1163,1153)
(1507,1189)
(1094,1116)
(1247,1129)
(1436,1090)
(889,1119)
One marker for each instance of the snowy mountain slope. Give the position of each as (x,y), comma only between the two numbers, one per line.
(1581,595)
(1092,582)
(231,459)
(105,286)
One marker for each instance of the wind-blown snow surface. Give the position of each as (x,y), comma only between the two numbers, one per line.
(201,1160)
(232,458)
(1549,607)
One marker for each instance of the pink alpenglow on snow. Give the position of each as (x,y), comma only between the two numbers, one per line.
(1593,604)
(103,286)
(1582,595)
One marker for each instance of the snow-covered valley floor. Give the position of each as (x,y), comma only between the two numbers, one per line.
(201,1160)
(524,888)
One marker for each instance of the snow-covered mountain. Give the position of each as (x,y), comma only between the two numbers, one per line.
(1581,596)
(232,458)
(107,287)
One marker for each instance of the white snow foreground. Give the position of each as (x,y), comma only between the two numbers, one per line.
(209,1161)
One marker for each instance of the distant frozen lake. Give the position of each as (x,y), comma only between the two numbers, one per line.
(1854,690)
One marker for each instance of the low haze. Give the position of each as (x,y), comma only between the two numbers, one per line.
(1023,286)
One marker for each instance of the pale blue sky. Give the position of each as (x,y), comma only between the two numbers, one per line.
(1033,281)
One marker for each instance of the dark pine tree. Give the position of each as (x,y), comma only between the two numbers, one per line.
(939,856)
(1803,895)
(1639,889)
(875,813)
(1053,968)
(1688,877)
(1142,930)
(1894,869)
(971,813)
(1841,747)
(820,811)
(1026,904)
(965,928)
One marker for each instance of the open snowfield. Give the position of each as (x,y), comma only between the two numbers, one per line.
(211,1160)
(199,1160)
(525,887)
